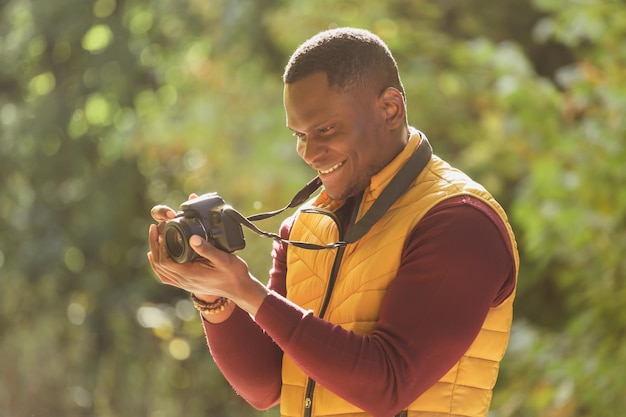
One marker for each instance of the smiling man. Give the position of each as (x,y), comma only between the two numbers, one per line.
(410,318)
(339,134)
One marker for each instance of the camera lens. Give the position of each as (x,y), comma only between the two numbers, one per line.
(175,242)
(177,233)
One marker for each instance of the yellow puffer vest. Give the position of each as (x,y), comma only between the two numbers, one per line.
(367,268)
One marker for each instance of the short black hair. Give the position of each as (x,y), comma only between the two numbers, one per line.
(352,59)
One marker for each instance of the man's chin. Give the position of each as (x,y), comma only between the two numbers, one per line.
(338,194)
(333,193)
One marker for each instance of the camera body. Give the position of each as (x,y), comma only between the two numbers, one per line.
(206,217)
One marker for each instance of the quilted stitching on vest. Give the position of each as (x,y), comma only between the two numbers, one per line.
(368,267)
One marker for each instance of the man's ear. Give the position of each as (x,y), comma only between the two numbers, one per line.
(392,102)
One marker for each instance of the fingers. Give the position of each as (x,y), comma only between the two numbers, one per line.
(159,262)
(158,256)
(213,273)
(162,213)
(153,242)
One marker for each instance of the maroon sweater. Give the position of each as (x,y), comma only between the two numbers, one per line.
(456,264)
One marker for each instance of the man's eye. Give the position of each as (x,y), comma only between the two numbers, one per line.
(299,136)
(326,129)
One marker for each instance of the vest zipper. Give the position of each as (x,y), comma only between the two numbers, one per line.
(310,387)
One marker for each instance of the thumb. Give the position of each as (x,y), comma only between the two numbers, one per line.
(201,246)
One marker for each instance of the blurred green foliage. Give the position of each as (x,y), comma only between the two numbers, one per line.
(108,107)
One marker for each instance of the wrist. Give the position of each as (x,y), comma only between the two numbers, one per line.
(215,311)
(205,297)
(215,306)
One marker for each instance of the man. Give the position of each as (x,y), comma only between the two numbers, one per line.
(413,317)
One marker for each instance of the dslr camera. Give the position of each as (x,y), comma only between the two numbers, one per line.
(205,216)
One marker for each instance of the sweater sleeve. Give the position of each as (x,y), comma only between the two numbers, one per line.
(244,353)
(455,265)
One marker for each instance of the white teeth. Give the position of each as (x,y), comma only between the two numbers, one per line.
(331,169)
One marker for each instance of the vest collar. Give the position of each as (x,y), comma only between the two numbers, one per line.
(385,175)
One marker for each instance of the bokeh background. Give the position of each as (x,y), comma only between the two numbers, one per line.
(109,107)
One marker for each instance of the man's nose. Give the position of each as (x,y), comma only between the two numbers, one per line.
(310,150)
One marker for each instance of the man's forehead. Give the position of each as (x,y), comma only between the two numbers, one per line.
(309,101)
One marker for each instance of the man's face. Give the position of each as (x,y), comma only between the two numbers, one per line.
(342,136)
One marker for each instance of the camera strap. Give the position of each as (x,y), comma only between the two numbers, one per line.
(399,185)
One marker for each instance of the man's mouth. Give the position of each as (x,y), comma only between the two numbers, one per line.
(331,169)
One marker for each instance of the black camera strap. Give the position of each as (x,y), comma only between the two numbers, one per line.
(245,222)
(398,186)
(303,195)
